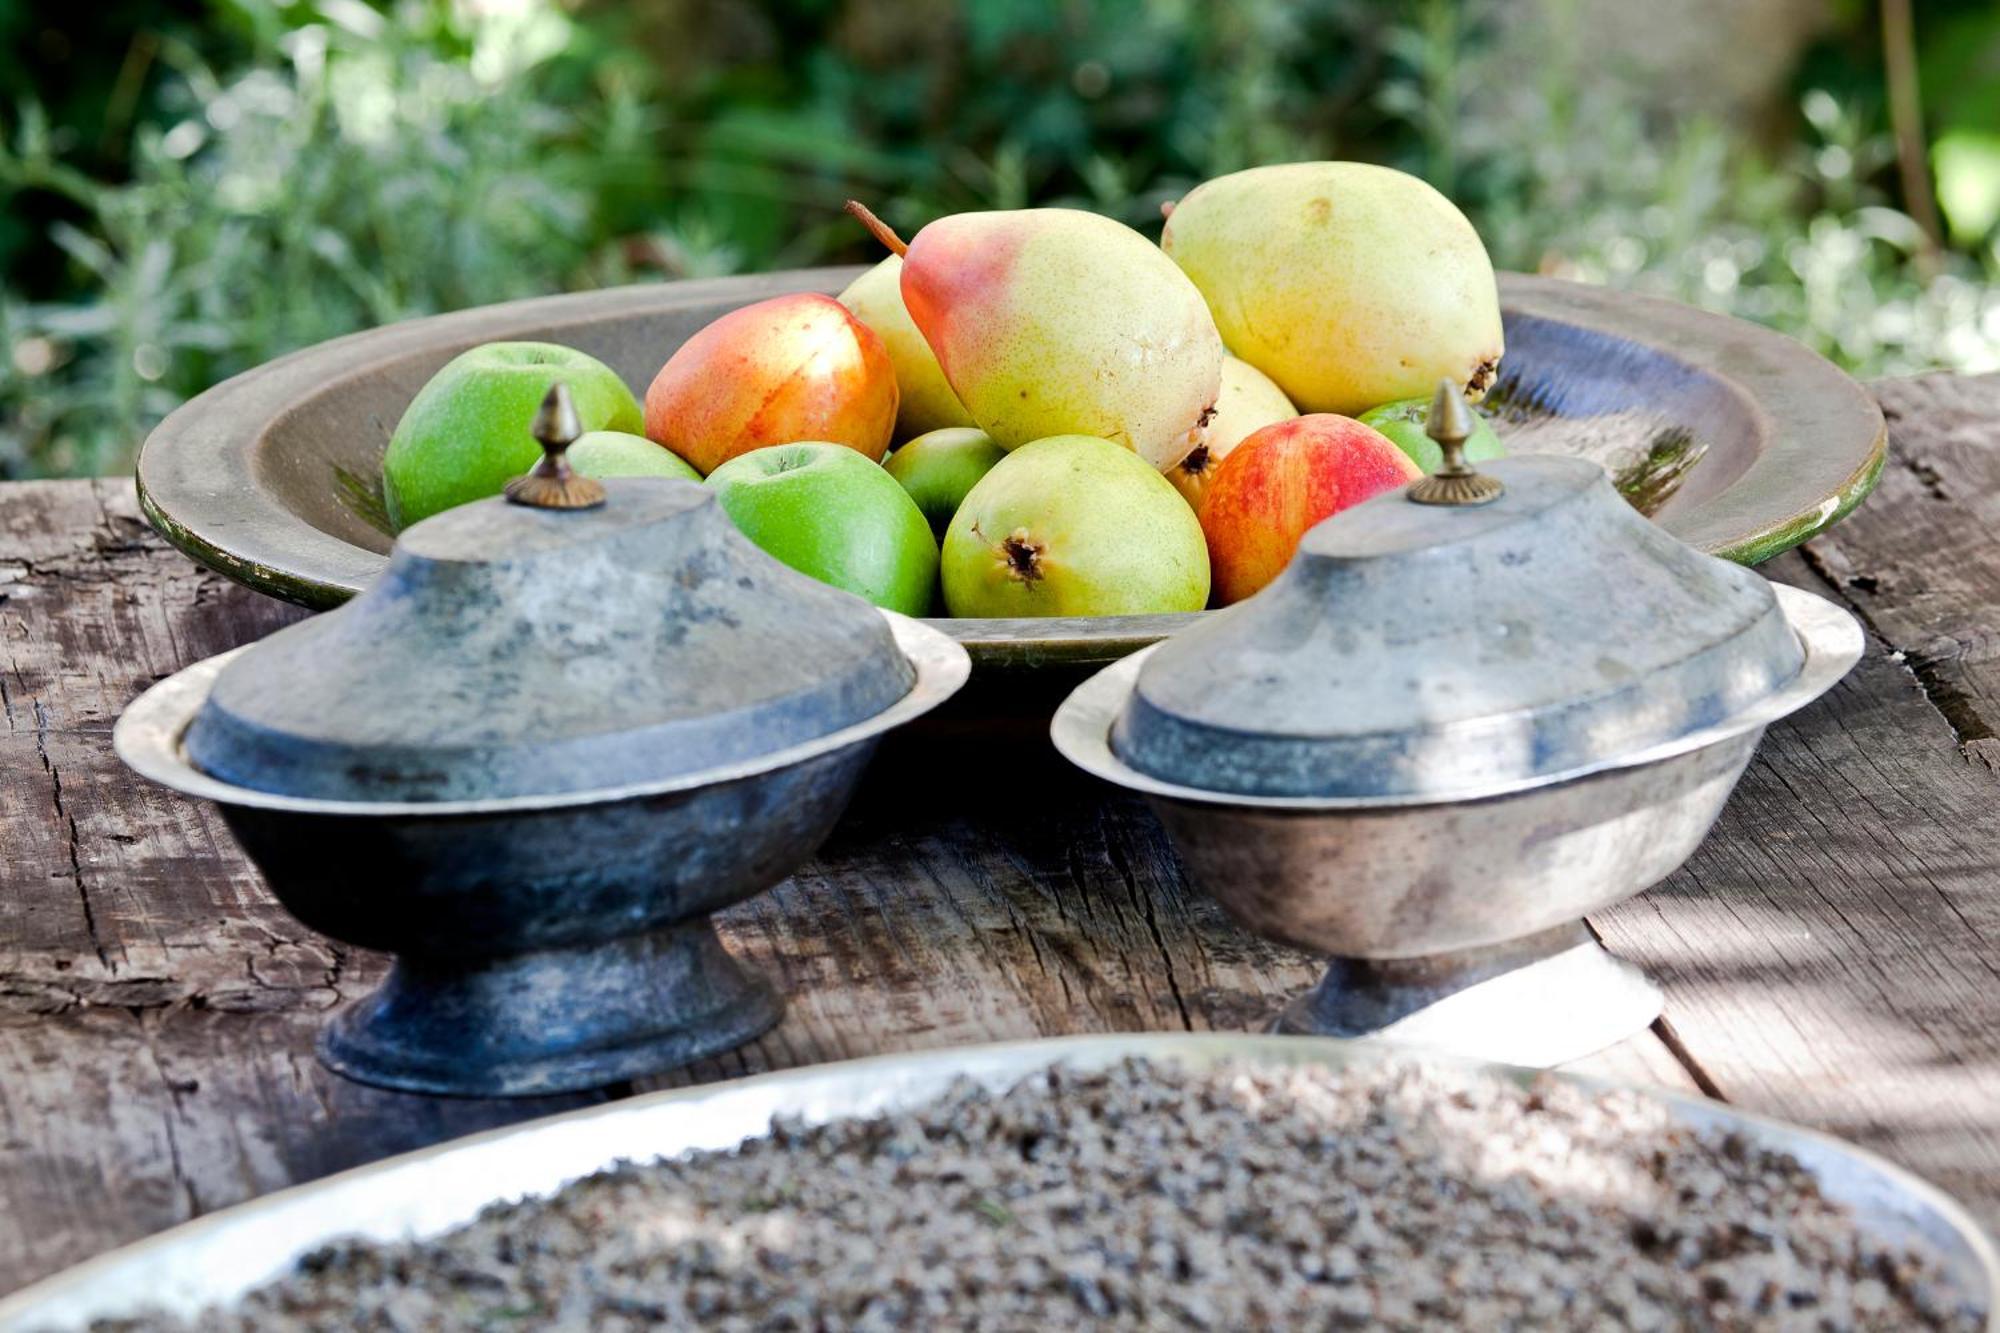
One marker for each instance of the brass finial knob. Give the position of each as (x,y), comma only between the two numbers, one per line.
(1455,483)
(551,483)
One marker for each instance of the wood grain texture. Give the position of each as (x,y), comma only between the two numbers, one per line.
(1826,955)
(157,1008)
(1921,560)
(1832,954)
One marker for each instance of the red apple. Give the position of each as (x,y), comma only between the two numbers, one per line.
(791,368)
(1279,482)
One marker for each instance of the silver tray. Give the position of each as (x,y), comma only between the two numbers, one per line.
(218,1258)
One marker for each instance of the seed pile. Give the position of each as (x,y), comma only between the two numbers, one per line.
(1150,1196)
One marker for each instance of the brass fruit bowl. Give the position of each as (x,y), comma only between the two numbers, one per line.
(1734,438)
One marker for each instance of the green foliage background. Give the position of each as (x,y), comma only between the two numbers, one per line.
(195,186)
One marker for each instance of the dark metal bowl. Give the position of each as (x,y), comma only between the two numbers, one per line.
(542,943)
(1736,439)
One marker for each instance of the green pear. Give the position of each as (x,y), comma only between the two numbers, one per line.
(939,467)
(1348,284)
(927,403)
(617,453)
(1403,423)
(1053,321)
(1073,526)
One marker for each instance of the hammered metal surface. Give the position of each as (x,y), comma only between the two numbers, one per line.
(549,942)
(1453,890)
(509,650)
(1419,650)
(1401,882)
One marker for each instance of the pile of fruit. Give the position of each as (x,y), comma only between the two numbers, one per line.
(1085,424)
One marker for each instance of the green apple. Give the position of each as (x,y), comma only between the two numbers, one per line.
(938,468)
(830,512)
(465,435)
(1403,423)
(1074,525)
(617,453)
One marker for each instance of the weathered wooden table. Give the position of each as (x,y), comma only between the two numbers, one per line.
(1831,955)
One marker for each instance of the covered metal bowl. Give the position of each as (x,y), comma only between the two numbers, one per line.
(530,760)
(1450,730)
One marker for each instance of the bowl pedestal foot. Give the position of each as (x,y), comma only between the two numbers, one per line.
(551,1020)
(1541,1000)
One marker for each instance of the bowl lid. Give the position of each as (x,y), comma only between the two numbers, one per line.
(512,649)
(1460,645)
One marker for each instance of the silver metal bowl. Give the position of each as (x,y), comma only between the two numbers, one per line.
(219,1258)
(1456,922)
(542,943)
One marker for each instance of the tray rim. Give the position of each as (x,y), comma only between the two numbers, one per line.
(1831,637)
(148,739)
(197,482)
(257,1240)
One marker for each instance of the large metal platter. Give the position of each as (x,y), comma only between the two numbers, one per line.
(218,1258)
(1735,438)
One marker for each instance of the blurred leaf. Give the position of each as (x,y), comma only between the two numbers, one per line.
(85,249)
(285,171)
(1967,166)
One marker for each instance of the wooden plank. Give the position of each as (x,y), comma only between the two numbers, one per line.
(118,1122)
(1920,561)
(1832,954)
(157,1008)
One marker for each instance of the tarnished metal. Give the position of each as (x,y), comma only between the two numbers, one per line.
(1455,483)
(544,941)
(1373,877)
(530,759)
(510,650)
(218,1258)
(551,483)
(1422,653)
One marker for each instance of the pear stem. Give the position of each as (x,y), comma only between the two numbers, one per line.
(879,229)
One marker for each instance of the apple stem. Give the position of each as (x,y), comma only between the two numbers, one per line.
(876,226)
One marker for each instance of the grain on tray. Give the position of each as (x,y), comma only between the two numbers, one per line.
(1393,1196)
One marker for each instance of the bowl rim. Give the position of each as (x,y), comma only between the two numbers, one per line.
(227,1253)
(149,733)
(1824,442)
(1831,638)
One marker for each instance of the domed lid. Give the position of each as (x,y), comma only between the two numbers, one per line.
(512,649)
(1459,647)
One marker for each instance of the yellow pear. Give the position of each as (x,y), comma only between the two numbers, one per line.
(1054,321)
(1350,285)
(1248,403)
(927,402)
